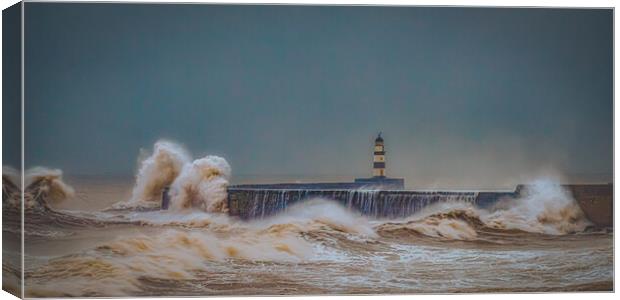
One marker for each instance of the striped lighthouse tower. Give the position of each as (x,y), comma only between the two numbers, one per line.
(378,161)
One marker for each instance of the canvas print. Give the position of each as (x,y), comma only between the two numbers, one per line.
(212,150)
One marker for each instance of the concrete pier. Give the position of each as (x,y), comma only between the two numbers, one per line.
(259,201)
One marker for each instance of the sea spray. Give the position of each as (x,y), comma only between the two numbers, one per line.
(544,206)
(304,217)
(45,186)
(202,184)
(315,213)
(158,170)
(199,184)
(446,220)
(288,237)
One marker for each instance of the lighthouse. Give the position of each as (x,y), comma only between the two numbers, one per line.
(378,161)
(379,179)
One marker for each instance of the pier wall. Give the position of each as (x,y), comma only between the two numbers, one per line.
(250,203)
(259,201)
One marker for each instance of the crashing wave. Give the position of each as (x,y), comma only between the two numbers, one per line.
(543,207)
(44,187)
(158,170)
(199,184)
(202,184)
(452,225)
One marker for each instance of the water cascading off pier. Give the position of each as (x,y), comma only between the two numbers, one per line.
(252,203)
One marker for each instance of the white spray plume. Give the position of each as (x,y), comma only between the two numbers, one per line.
(544,206)
(158,171)
(202,184)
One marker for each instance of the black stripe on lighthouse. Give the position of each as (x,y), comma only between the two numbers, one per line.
(379,165)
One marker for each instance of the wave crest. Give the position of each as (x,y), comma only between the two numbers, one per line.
(543,207)
(452,225)
(44,187)
(158,170)
(202,184)
(199,184)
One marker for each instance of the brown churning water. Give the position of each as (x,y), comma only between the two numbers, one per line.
(541,241)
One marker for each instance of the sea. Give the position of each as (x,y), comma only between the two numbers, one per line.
(104,236)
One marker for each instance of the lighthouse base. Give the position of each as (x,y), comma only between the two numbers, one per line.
(382,182)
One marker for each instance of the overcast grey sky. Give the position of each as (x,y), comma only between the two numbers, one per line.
(463,95)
